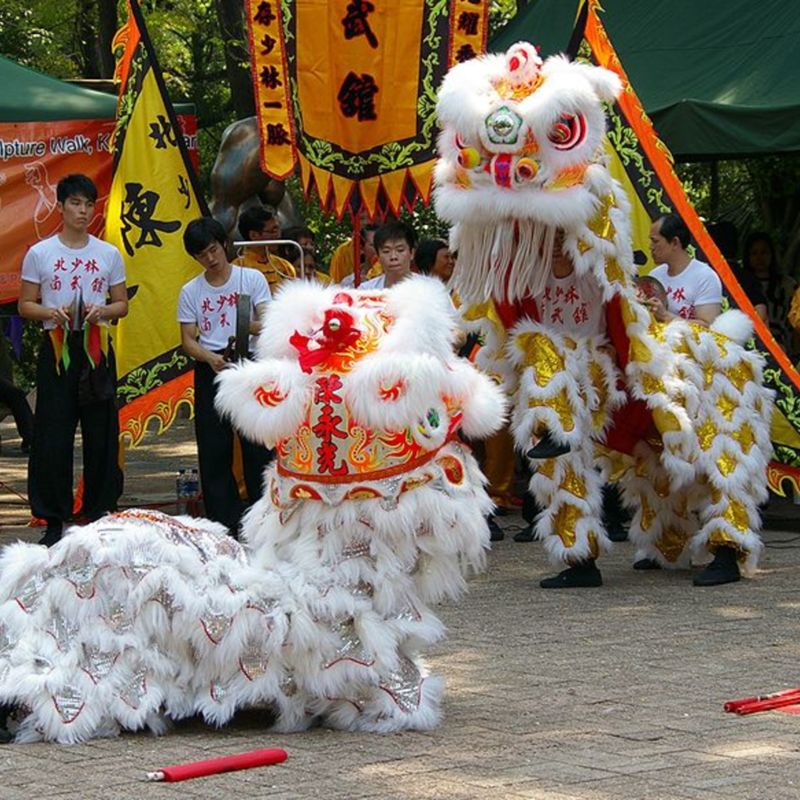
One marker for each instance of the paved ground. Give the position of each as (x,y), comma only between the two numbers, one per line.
(590,694)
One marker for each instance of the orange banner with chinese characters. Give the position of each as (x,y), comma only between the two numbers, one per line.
(360,81)
(468,30)
(270,87)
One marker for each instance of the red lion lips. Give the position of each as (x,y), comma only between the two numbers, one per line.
(338,332)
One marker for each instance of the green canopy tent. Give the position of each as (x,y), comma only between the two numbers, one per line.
(30,96)
(718,79)
(33,97)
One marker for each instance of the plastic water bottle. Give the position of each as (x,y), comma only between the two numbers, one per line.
(194,484)
(193,492)
(181,496)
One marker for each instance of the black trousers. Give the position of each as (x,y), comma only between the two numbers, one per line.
(16,400)
(62,402)
(215,456)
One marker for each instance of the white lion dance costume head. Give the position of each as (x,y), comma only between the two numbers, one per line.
(676,412)
(374,510)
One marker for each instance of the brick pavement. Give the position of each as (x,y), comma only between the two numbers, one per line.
(606,694)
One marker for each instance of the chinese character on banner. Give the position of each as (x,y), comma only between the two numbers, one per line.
(357,97)
(468,35)
(355,22)
(162,134)
(138,211)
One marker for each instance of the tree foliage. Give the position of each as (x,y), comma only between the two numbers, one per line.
(755,194)
(201,46)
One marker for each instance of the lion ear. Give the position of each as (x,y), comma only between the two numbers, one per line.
(606,84)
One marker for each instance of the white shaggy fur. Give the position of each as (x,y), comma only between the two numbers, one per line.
(140,617)
(507,189)
(734,324)
(237,398)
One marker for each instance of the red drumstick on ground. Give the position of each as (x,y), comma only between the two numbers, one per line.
(198,769)
(763,702)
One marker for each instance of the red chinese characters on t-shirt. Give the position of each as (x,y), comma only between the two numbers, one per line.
(563,304)
(215,311)
(677,294)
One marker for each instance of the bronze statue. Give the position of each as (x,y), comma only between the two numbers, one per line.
(237,180)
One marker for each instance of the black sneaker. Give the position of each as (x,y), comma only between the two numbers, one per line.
(616,517)
(646,563)
(547,448)
(496,533)
(723,569)
(5,734)
(52,535)
(525,535)
(583,575)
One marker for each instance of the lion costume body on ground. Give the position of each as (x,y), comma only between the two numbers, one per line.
(675,412)
(373,511)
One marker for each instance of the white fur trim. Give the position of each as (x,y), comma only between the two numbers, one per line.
(734,324)
(271,420)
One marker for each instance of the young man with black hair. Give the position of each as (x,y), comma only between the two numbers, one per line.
(259,223)
(694,290)
(395,243)
(207,311)
(74,284)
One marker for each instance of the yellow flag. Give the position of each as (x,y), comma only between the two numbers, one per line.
(152,198)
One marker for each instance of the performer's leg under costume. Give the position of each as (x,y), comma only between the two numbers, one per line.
(734,445)
(498,466)
(215,453)
(663,522)
(568,390)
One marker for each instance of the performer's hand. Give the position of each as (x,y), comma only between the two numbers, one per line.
(216,361)
(60,315)
(658,310)
(94,313)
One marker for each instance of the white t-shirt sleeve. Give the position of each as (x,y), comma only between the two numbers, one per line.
(709,288)
(30,267)
(116,274)
(258,288)
(186,308)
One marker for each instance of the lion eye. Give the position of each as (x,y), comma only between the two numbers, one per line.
(568,132)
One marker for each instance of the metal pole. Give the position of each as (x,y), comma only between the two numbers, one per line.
(265,242)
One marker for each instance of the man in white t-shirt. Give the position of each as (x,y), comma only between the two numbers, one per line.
(74,284)
(694,290)
(572,305)
(395,243)
(207,314)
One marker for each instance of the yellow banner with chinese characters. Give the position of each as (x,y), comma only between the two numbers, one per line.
(360,81)
(152,198)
